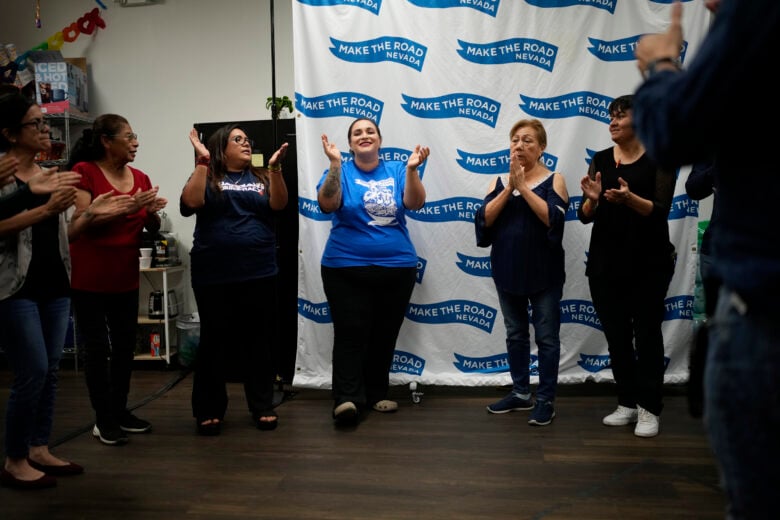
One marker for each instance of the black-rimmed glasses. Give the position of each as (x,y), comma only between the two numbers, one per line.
(241,140)
(39,124)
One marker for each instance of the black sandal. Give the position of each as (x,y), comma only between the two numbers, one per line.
(267,425)
(210,429)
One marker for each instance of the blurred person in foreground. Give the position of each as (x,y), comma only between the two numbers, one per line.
(700,184)
(679,115)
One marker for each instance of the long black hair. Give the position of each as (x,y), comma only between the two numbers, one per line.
(217,144)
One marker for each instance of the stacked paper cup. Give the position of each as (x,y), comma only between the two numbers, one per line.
(145,261)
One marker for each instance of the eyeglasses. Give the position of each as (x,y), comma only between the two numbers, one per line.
(241,140)
(128,137)
(39,124)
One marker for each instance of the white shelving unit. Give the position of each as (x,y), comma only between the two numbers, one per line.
(166,324)
(69,123)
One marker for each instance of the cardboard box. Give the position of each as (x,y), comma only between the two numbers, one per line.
(60,83)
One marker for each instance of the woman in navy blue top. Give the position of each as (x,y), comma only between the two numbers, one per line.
(523,222)
(233,264)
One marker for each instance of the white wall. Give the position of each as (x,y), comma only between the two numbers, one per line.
(167,66)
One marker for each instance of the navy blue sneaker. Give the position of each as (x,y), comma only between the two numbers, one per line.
(543,413)
(510,403)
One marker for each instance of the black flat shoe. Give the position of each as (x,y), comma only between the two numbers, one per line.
(58,471)
(211,429)
(8,480)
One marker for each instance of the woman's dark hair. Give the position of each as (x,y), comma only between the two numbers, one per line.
(89,146)
(216,145)
(13,107)
(349,130)
(621,104)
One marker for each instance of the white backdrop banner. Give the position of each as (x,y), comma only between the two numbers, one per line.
(455,75)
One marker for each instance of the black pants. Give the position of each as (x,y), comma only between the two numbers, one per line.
(107,324)
(368,305)
(631,313)
(237,333)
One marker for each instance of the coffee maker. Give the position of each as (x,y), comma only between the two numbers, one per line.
(165,251)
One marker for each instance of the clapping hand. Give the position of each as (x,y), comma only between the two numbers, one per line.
(61,199)
(8,167)
(618,195)
(200,148)
(331,150)
(419,156)
(109,204)
(157,204)
(49,180)
(278,155)
(144,198)
(591,188)
(663,45)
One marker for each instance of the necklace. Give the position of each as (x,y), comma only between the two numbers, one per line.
(228,180)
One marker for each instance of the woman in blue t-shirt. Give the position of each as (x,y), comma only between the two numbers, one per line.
(369,263)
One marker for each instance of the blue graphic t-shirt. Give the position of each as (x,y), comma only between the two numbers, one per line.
(370,226)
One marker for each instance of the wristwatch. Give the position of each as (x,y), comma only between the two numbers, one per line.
(653,65)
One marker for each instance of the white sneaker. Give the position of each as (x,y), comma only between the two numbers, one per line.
(621,416)
(647,425)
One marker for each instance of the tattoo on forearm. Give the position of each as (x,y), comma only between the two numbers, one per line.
(332,184)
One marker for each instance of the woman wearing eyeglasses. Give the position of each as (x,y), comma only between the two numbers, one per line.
(105,282)
(34,284)
(234,270)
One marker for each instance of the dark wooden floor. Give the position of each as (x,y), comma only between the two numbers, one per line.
(444,458)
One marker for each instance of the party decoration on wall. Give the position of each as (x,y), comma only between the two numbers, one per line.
(38,14)
(86,24)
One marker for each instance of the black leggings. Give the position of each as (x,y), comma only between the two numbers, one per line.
(107,324)
(631,315)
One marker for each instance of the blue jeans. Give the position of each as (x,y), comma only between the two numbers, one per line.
(742,405)
(33,334)
(546,319)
